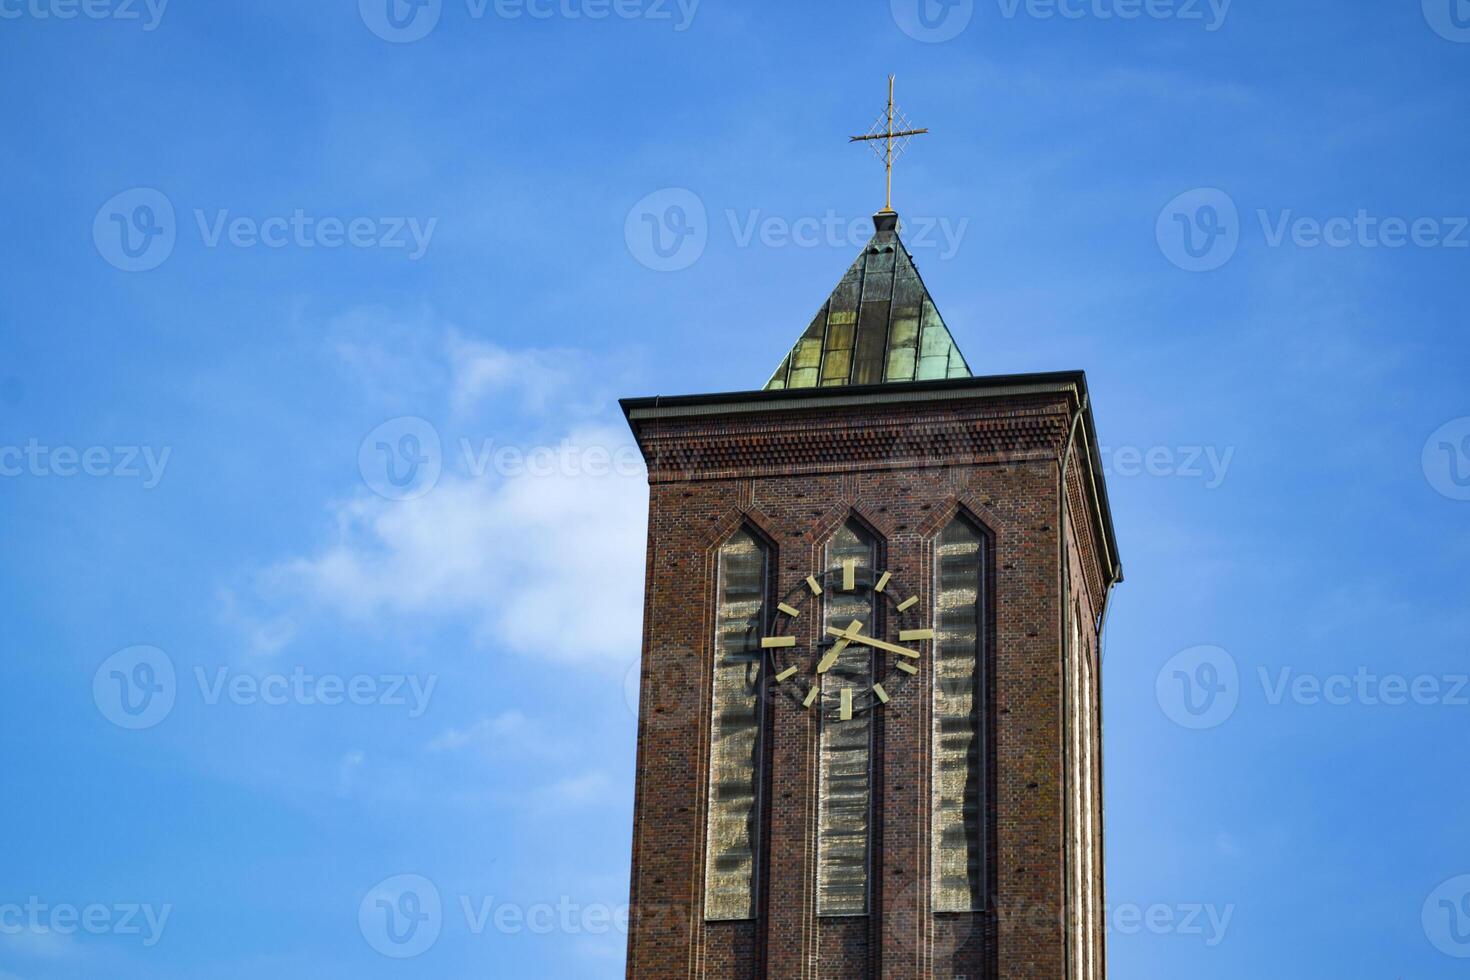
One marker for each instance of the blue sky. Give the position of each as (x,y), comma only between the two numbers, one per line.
(252,257)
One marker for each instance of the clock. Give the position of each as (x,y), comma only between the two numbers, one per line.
(849,638)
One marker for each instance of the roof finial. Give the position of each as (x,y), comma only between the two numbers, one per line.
(893,142)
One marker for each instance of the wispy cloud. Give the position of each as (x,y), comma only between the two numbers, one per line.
(509,734)
(545,565)
(543,561)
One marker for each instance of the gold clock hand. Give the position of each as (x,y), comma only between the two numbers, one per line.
(868,641)
(848,636)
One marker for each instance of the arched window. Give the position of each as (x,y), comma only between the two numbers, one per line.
(733,833)
(845,797)
(959,804)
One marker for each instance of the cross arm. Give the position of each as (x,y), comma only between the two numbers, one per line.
(884,136)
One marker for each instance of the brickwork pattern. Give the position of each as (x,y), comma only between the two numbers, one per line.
(793,478)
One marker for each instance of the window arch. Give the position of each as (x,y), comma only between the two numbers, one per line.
(959,831)
(737,719)
(845,750)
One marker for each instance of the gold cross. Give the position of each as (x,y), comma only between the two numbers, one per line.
(888,134)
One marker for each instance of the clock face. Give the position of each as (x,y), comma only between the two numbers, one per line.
(846,665)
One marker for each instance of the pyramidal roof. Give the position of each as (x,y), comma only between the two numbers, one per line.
(879,325)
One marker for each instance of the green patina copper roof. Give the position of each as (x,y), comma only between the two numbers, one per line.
(879,325)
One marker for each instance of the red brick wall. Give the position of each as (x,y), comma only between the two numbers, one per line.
(795,476)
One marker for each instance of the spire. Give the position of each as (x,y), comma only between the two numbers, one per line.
(879,325)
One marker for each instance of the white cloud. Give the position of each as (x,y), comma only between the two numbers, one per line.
(482,369)
(263,636)
(540,560)
(507,735)
(40,942)
(347,771)
(548,566)
(583,788)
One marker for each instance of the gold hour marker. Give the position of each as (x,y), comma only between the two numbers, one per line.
(906,668)
(811,696)
(883,582)
(844,711)
(882,694)
(774,642)
(788,610)
(849,575)
(910,601)
(814,585)
(915,635)
(785,674)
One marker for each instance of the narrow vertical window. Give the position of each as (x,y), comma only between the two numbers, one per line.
(959,831)
(1080,797)
(1088,706)
(845,795)
(736,720)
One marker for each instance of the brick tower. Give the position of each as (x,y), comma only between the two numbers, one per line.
(869,731)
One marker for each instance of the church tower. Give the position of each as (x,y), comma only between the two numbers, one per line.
(869,727)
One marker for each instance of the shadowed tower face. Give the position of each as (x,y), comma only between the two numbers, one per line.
(869,736)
